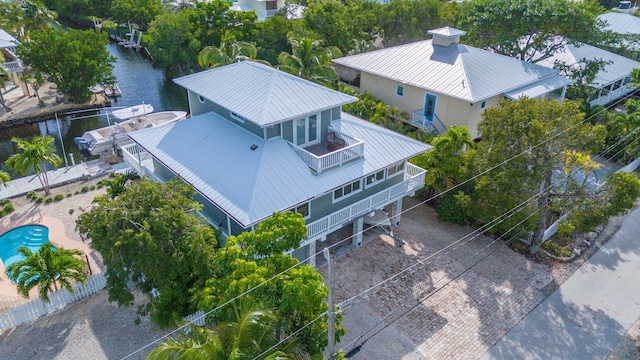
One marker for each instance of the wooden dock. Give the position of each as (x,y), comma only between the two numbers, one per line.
(60,176)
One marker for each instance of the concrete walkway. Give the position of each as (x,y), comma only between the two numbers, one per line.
(56,177)
(590,313)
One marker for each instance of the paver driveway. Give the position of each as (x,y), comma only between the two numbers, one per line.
(461,320)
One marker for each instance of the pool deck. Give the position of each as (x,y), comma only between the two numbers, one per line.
(60,218)
(56,235)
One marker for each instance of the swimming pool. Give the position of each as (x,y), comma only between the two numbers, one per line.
(31,236)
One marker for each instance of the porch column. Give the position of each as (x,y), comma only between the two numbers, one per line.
(311,251)
(356,241)
(396,212)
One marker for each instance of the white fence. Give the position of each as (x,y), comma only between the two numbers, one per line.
(59,299)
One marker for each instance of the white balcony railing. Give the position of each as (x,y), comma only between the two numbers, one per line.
(413,181)
(13,66)
(353,149)
(136,157)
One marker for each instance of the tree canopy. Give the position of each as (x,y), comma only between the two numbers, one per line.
(553,143)
(74,60)
(297,296)
(173,42)
(141,12)
(530,30)
(151,236)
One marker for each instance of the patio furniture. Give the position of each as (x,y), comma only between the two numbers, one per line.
(334,142)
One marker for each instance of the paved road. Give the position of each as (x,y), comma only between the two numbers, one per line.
(589,314)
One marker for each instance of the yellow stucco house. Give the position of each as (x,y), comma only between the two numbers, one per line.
(441,82)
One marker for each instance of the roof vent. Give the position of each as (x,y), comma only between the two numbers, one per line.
(446,36)
(254,146)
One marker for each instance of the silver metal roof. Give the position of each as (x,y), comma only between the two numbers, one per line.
(539,88)
(215,156)
(260,93)
(7,41)
(618,66)
(459,71)
(621,23)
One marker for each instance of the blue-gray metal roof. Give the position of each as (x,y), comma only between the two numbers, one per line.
(215,156)
(616,66)
(458,70)
(262,94)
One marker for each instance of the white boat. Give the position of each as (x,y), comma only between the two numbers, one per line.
(107,139)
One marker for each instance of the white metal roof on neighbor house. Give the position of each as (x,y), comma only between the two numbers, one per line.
(215,156)
(7,41)
(621,23)
(262,94)
(539,88)
(618,66)
(459,71)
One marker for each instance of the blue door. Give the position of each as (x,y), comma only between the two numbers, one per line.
(429,107)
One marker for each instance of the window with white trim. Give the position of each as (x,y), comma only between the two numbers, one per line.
(302,209)
(400,90)
(237,117)
(395,169)
(347,190)
(201,99)
(374,178)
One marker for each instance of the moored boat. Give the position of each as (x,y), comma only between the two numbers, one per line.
(108,139)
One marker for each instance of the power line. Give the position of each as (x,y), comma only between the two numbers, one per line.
(350,237)
(421,300)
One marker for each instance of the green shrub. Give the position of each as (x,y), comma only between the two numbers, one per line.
(84,189)
(39,200)
(71,211)
(48,200)
(32,195)
(556,249)
(2,213)
(77,192)
(453,208)
(565,229)
(8,208)
(4,202)
(93,187)
(100,185)
(58,197)
(69,195)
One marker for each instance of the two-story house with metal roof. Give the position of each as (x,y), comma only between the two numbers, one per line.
(441,82)
(261,141)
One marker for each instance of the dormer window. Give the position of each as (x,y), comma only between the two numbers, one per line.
(201,99)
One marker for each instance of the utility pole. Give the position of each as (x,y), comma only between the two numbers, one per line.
(330,312)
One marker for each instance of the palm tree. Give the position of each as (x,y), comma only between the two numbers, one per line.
(47,268)
(230,51)
(35,155)
(251,335)
(309,59)
(444,164)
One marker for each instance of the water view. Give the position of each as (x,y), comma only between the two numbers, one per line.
(139,81)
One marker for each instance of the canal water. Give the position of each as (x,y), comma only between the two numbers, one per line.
(139,81)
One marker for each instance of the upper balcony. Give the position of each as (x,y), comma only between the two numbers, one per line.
(334,151)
